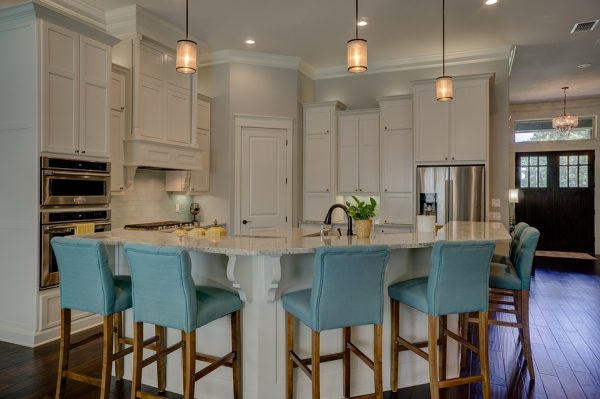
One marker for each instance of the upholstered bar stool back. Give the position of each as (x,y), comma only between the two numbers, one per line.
(347,291)
(164,294)
(87,284)
(516,237)
(457,283)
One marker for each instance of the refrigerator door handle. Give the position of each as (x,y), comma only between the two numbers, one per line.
(450,193)
(447,201)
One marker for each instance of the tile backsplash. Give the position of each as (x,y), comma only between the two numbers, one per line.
(147,201)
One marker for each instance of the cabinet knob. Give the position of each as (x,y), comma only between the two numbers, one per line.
(76,151)
(83,152)
(453,158)
(326,189)
(385,189)
(122,108)
(360,189)
(327,131)
(446,158)
(385,128)
(246,221)
(121,188)
(385,221)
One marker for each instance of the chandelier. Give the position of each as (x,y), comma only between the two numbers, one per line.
(565,123)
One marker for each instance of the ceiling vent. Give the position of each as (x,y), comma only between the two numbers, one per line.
(584,26)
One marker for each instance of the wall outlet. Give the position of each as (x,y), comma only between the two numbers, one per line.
(494,215)
(177,207)
(495,202)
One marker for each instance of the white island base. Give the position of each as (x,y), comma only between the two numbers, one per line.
(261,276)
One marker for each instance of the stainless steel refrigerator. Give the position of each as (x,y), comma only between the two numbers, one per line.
(451,192)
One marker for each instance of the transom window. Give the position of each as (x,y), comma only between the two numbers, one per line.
(541,130)
(573,171)
(534,172)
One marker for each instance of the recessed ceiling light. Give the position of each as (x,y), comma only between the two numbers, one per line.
(362,22)
(250,41)
(583,66)
(490,2)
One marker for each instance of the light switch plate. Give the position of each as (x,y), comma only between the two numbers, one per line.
(494,215)
(495,202)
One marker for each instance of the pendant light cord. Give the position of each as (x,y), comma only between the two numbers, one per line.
(356,19)
(565,101)
(186,18)
(443,37)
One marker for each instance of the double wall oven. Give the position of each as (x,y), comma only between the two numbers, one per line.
(72,192)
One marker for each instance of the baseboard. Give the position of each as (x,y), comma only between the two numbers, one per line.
(18,335)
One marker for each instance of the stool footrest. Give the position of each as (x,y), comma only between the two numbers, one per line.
(459,381)
(360,354)
(211,359)
(163,352)
(501,302)
(301,364)
(228,358)
(82,378)
(462,341)
(415,348)
(87,340)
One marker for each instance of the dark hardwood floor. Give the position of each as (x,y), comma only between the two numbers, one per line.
(565,335)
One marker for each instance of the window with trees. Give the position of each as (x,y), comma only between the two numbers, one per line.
(541,130)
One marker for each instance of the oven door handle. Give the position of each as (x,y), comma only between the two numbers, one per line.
(56,173)
(66,228)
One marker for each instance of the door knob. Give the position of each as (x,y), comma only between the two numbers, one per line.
(246,221)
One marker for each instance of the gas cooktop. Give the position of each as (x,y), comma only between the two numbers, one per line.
(166,225)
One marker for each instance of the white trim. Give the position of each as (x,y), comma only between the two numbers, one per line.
(267,122)
(252,58)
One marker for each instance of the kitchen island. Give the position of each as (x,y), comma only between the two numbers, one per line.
(262,267)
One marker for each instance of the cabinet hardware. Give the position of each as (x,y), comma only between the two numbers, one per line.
(76,151)
(246,221)
(453,158)
(385,189)
(446,158)
(83,152)
(385,128)
(327,131)
(326,189)
(122,108)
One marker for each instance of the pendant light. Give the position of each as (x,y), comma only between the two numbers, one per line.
(443,84)
(357,50)
(186,50)
(565,123)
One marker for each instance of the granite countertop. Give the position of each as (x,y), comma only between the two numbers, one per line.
(294,241)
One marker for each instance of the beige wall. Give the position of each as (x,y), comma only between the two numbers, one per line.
(545,110)
(360,91)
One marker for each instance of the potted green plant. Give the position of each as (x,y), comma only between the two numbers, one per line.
(362,212)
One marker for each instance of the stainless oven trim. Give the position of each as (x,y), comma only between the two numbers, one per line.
(47,279)
(49,175)
(45,216)
(45,164)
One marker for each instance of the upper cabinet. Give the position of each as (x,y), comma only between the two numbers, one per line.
(76,78)
(358,152)
(453,131)
(200,179)
(118,125)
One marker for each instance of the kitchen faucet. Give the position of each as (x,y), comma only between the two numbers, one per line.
(345,209)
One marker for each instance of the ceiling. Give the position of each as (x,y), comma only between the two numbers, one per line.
(317,30)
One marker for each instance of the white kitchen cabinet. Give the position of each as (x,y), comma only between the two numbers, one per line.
(200,179)
(397,208)
(76,90)
(397,167)
(453,131)
(118,125)
(396,112)
(358,150)
(320,157)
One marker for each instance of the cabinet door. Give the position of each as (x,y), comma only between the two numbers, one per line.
(348,149)
(469,121)
(396,114)
(203,115)
(397,163)
(317,163)
(316,206)
(174,78)
(200,179)
(179,116)
(61,90)
(397,208)
(368,153)
(151,112)
(431,125)
(117,131)
(117,91)
(318,120)
(95,75)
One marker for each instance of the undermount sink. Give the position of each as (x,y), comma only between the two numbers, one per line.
(326,233)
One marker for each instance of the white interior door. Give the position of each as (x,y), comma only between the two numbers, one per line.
(264,180)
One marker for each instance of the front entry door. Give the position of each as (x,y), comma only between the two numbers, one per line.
(264,180)
(558,198)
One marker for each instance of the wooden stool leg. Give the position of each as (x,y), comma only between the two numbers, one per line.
(463,320)
(183,360)
(235,347)
(433,363)
(347,360)
(526,340)
(161,362)
(190,367)
(289,347)
(377,362)
(118,326)
(316,365)
(443,346)
(483,355)
(107,357)
(136,374)
(63,355)
(395,309)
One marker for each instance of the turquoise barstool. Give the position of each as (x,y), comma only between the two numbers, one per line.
(347,291)
(513,280)
(164,294)
(516,237)
(457,283)
(87,284)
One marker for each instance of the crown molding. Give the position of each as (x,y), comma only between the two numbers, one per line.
(78,9)
(253,58)
(423,62)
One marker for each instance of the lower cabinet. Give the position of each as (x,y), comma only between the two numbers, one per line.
(397,208)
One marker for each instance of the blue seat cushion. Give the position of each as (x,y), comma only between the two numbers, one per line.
(504,276)
(298,304)
(214,303)
(122,293)
(411,292)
